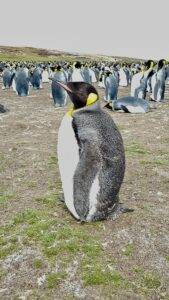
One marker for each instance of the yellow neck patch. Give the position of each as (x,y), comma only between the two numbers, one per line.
(70,112)
(92,98)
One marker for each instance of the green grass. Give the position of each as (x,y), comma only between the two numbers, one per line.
(134,149)
(50,200)
(128,250)
(97,275)
(156,162)
(6,197)
(52,160)
(151,281)
(54,279)
(7,250)
(38,263)
(167,258)
(63,241)
(2,273)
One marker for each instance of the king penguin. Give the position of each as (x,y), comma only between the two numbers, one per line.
(91,157)
(7,77)
(111,86)
(22,82)
(59,95)
(158,81)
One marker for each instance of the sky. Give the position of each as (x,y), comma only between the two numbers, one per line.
(128,28)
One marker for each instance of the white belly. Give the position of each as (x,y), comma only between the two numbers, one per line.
(68,158)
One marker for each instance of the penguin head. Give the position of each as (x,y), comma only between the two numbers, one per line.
(149,64)
(77,65)
(161,64)
(81,93)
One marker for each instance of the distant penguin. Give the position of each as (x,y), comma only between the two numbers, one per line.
(22,82)
(45,76)
(77,74)
(158,82)
(127,72)
(87,74)
(167,73)
(101,83)
(111,86)
(91,157)
(7,77)
(131,105)
(123,81)
(59,95)
(93,75)
(140,80)
(36,78)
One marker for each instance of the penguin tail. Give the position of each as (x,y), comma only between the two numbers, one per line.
(117,210)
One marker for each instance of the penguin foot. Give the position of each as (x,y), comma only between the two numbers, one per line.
(118,209)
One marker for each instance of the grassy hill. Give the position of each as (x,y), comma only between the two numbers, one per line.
(8,53)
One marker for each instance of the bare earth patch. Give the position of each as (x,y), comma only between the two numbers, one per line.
(44,252)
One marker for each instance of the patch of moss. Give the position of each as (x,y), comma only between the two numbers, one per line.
(97,275)
(32,184)
(29,217)
(155,162)
(151,281)
(128,250)
(137,270)
(7,250)
(38,264)
(6,197)
(135,148)
(49,200)
(54,279)
(167,258)
(2,242)
(92,250)
(52,160)
(2,273)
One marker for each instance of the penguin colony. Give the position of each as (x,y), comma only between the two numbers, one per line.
(148,77)
(93,171)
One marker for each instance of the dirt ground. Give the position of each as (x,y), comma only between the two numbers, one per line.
(44,252)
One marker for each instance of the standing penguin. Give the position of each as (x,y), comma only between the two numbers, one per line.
(7,77)
(87,74)
(91,157)
(139,80)
(35,78)
(122,76)
(111,85)
(22,82)
(158,81)
(77,74)
(59,95)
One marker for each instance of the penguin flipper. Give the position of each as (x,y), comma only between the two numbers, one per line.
(132,109)
(118,209)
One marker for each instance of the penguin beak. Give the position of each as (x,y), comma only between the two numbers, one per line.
(64,86)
